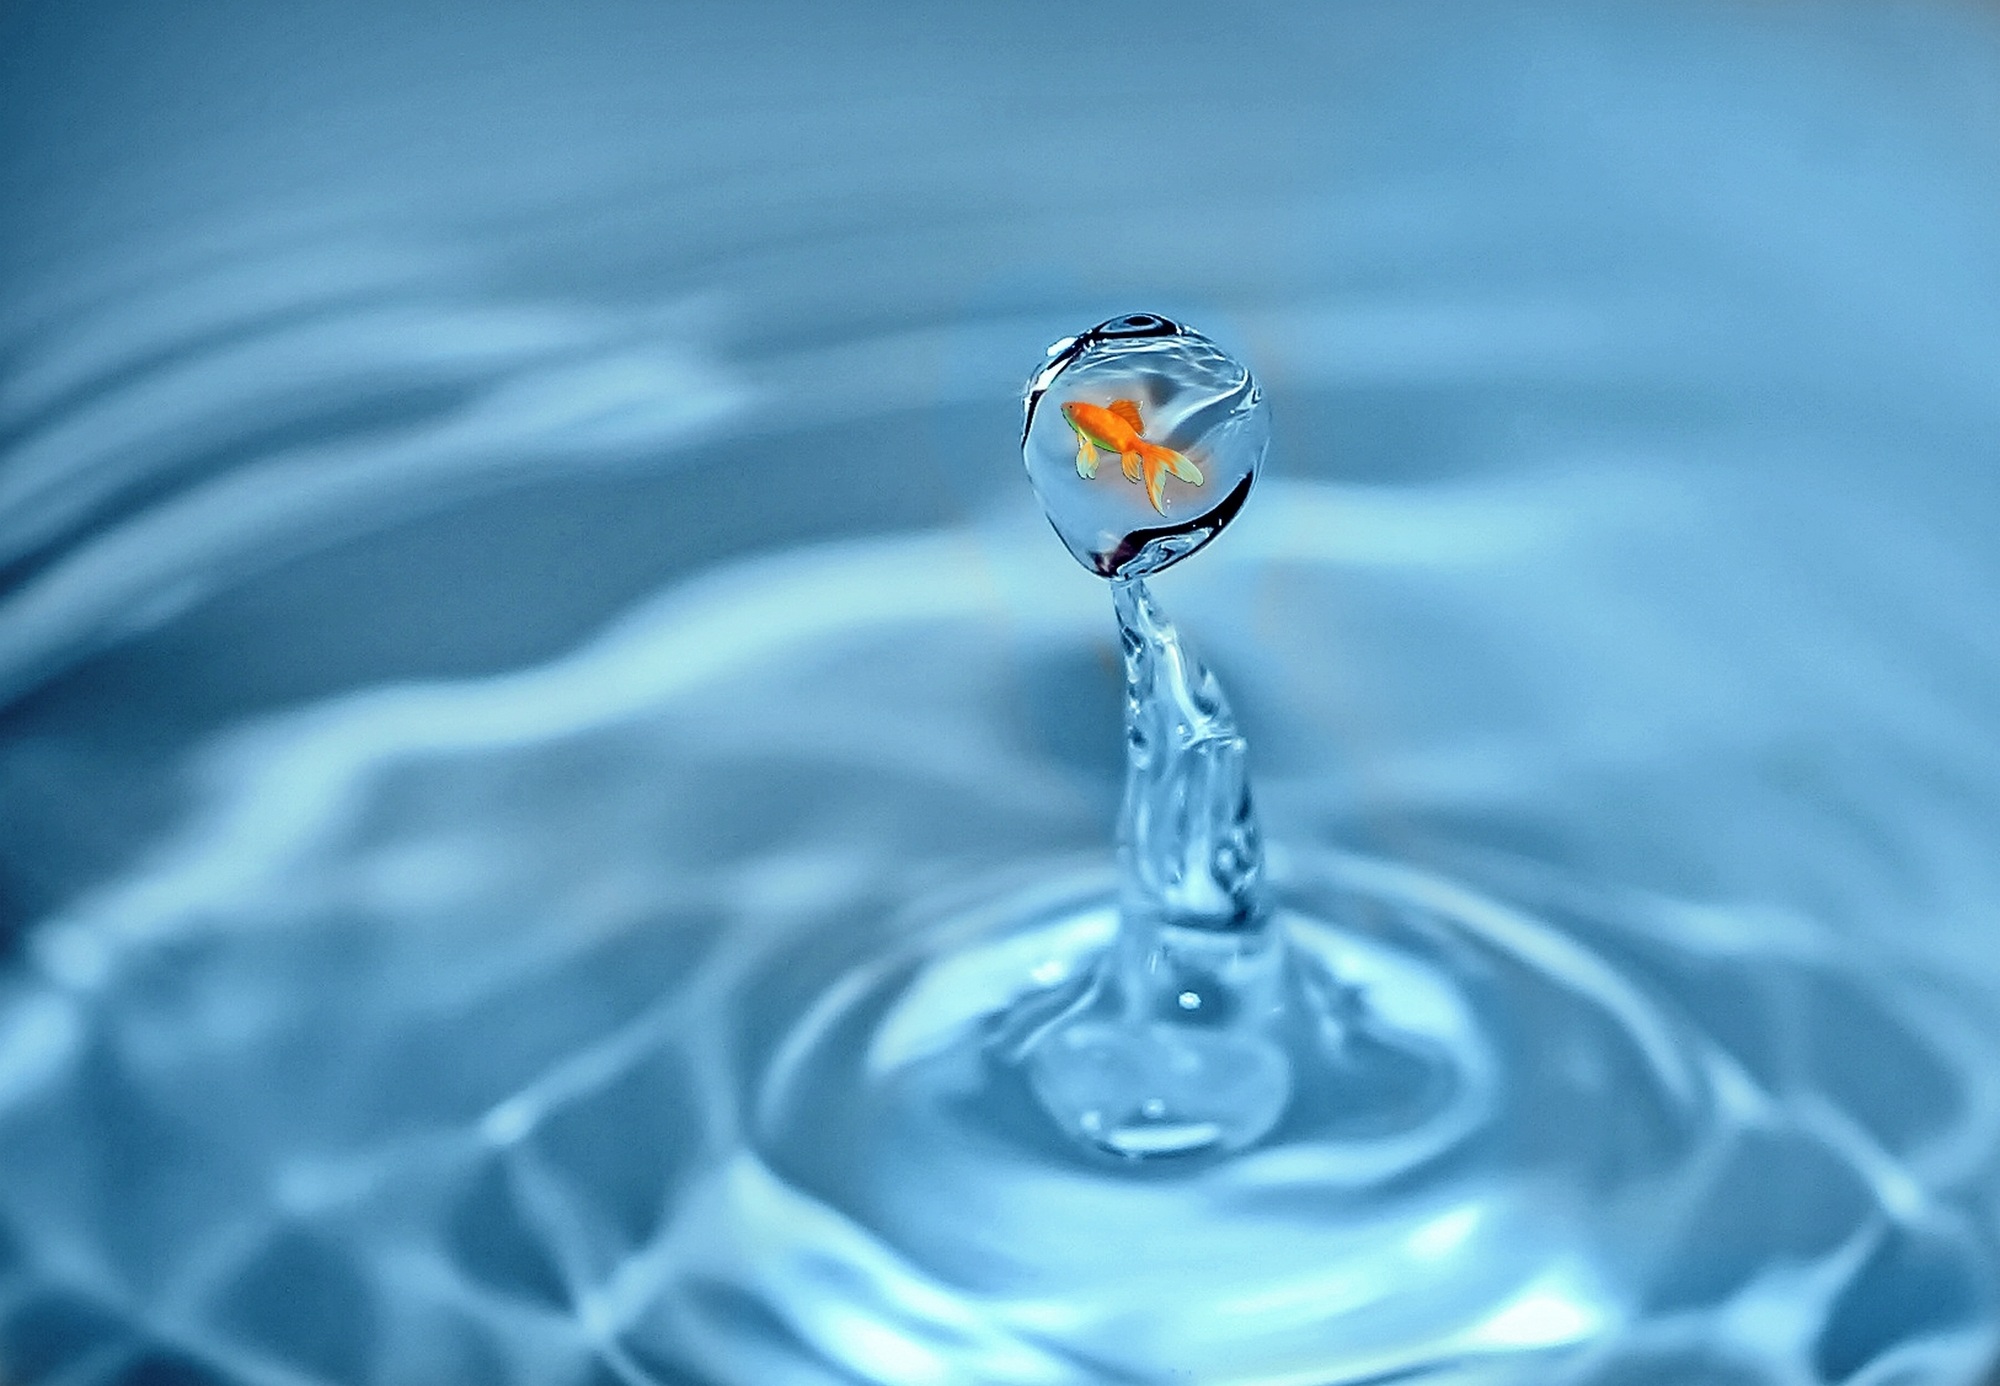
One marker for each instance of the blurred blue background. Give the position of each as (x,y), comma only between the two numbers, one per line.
(429,435)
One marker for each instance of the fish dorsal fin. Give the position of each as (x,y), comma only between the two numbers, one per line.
(1128,410)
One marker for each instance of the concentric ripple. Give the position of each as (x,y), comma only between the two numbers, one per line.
(1525,1160)
(633,1013)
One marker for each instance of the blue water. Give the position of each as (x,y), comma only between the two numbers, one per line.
(520,618)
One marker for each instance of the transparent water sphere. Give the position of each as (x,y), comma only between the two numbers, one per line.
(1143,438)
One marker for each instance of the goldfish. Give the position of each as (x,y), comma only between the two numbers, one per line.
(1118,428)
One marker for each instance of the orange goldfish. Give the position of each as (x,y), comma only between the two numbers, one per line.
(1118,429)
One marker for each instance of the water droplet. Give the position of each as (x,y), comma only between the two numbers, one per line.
(1142,440)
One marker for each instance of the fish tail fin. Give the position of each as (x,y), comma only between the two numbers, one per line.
(1156,478)
(1177,463)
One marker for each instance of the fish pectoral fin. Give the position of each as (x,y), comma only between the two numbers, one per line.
(1128,410)
(1086,457)
(1130,461)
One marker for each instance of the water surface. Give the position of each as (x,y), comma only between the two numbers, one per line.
(515,580)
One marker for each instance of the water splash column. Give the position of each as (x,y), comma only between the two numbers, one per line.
(1173,1042)
(1188,847)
